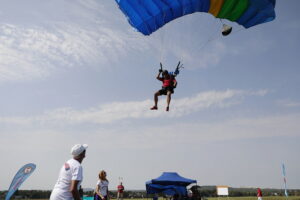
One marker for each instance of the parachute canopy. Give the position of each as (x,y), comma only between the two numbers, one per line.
(149,15)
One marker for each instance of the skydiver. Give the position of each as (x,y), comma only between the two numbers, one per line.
(169,83)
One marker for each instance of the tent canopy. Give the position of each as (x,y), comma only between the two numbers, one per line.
(172,178)
(169,183)
(166,189)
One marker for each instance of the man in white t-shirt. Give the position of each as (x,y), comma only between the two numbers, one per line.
(70,176)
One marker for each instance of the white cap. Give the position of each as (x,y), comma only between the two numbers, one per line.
(77,149)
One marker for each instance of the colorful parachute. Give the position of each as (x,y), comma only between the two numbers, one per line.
(149,15)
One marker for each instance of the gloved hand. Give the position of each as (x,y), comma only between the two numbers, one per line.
(160,70)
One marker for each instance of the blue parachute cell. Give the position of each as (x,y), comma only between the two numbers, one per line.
(149,15)
(258,12)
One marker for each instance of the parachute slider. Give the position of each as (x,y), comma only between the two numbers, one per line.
(226,30)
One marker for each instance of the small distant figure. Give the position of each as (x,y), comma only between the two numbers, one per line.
(190,194)
(259,194)
(175,197)
(155,197)
(196,192)
(120,191)
(101,191)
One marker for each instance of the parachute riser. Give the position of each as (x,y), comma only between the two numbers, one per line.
(177,69)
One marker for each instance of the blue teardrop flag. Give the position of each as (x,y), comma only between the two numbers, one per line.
(19,178)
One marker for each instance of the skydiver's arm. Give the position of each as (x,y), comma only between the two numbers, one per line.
(174,82)
(158,76)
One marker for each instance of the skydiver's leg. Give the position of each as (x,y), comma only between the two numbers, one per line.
(168,100)
(155,100)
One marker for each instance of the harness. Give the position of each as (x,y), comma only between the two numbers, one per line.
(173,74)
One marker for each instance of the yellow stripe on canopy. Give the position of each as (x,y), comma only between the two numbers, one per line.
(215,7)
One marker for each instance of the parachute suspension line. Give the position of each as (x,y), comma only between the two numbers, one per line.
(213,36)
(162,41)
(186,36)
(241,29)
(162,44)
(216,36)
(221,21)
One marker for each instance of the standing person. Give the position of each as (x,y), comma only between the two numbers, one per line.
(70,176)
(101,191)
(169,83)
(259,194)
(120,191)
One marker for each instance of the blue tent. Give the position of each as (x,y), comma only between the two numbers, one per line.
(169,183)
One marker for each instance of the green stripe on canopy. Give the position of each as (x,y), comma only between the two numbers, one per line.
(233,9)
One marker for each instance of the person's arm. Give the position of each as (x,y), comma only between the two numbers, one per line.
(74,190)
(158,76)
(107,192)
(97,191)
(174,83)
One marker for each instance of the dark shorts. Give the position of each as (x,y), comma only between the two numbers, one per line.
(96,197)
(165,90)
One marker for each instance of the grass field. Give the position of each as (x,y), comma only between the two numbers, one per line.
(255,198)
(240,198)
(229,198)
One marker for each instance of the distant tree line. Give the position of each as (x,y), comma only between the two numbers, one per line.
(205,191)
(28,194)
(210,191)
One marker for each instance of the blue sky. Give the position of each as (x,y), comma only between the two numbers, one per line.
(76,72)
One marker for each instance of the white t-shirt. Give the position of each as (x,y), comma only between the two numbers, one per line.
(71,170)
(103,187)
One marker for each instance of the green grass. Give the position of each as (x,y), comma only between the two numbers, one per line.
(255,198)
(225,198)
(240,198)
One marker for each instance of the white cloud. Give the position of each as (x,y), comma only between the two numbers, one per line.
(184,140)
(213,51)
(294,25)
(213,54)
(37,50)
(28,53)
(116,111)
(288,103)
(181,132)
(191,134)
